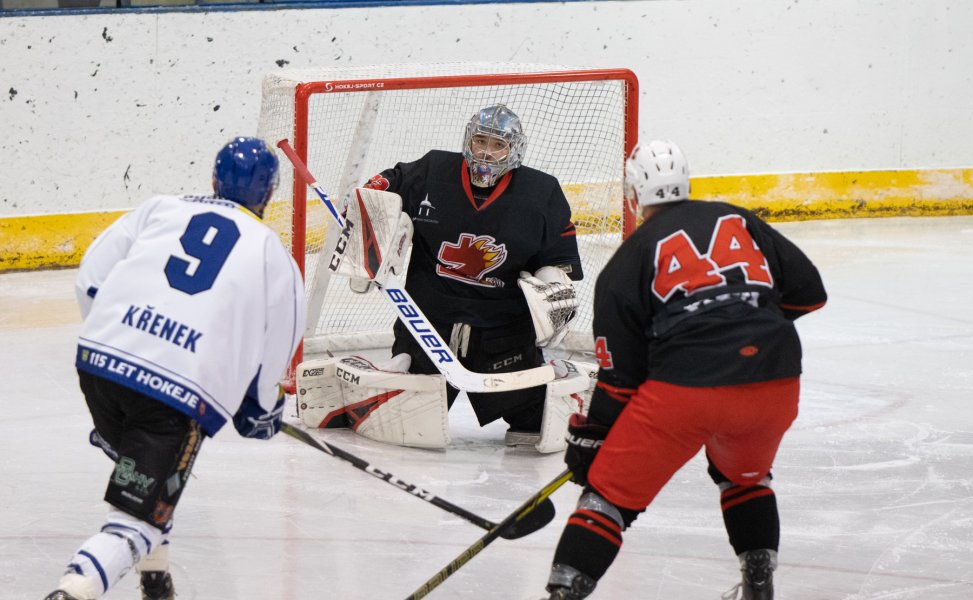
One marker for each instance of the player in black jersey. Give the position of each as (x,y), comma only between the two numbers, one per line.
(481,222)
(694,335)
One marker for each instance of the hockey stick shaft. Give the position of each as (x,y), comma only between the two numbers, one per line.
(422,329)
(443,357)
(466,555)
(526,527)
(305,174)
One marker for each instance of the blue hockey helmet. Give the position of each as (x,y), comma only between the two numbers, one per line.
(246,172)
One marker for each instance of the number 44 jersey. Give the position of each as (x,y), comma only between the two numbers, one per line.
(703,294)
(193,301)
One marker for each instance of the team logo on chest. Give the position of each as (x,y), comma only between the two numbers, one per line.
(426,212)
(426,207)
(471,258)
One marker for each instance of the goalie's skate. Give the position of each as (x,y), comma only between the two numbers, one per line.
(157,585)
(521,438)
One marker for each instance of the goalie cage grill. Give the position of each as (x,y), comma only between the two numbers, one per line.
(350,123)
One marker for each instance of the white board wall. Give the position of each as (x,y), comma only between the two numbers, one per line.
(99,111)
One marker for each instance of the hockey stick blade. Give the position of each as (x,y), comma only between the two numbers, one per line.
(533,503)
(529,523)
(425,334)
(534,520)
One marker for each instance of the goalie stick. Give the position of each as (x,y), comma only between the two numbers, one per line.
(538,516)
(524,512)
(419,326)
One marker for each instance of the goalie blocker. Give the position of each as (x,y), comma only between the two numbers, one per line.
(374,240)
(392,406)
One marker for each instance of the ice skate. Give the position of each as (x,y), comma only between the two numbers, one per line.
(157,585)
(758,576)
(561,593)
(59,595)
(521,438)
(74,586)
(567,583)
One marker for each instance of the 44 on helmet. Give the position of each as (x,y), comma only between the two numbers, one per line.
(494,144)
(655,173)
(246,171)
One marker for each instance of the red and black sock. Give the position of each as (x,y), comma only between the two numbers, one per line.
(589,543)
(751,518)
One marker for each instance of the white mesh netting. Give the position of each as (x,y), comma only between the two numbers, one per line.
(357,121)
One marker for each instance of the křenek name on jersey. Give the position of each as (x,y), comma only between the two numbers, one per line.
(153,323)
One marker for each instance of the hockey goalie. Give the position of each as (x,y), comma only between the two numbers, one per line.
(406,401)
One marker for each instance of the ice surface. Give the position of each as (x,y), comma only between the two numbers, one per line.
(874,481)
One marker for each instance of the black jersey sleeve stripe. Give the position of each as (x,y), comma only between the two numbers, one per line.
(803,309)
(616,393)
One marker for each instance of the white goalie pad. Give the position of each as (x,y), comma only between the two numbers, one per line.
(320,403)
(386,406)
(569,393)
(376,237)
(553,303)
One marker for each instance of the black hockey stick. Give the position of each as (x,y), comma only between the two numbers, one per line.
(521,514)
(529,522)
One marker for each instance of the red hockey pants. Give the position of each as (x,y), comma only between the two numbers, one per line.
(665,425)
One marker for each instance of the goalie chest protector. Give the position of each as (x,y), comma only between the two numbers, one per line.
(468,253)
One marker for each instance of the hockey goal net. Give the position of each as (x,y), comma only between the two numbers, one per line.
(350,123)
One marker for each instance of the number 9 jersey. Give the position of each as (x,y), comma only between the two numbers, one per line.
(192,301)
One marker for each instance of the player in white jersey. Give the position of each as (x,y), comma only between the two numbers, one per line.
(192,311)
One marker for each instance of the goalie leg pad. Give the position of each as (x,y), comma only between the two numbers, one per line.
(386,406)
(569,393)
(320,403)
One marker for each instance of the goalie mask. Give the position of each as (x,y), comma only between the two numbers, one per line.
(656,173)
(493,145)
(246,172)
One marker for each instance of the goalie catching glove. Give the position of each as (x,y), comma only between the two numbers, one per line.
(552,301)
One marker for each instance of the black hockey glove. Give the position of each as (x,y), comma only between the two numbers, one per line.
(584,440)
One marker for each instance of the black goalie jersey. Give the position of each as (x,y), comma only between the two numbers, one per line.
(470,245)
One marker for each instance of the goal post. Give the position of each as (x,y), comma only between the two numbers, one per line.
(350,123)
